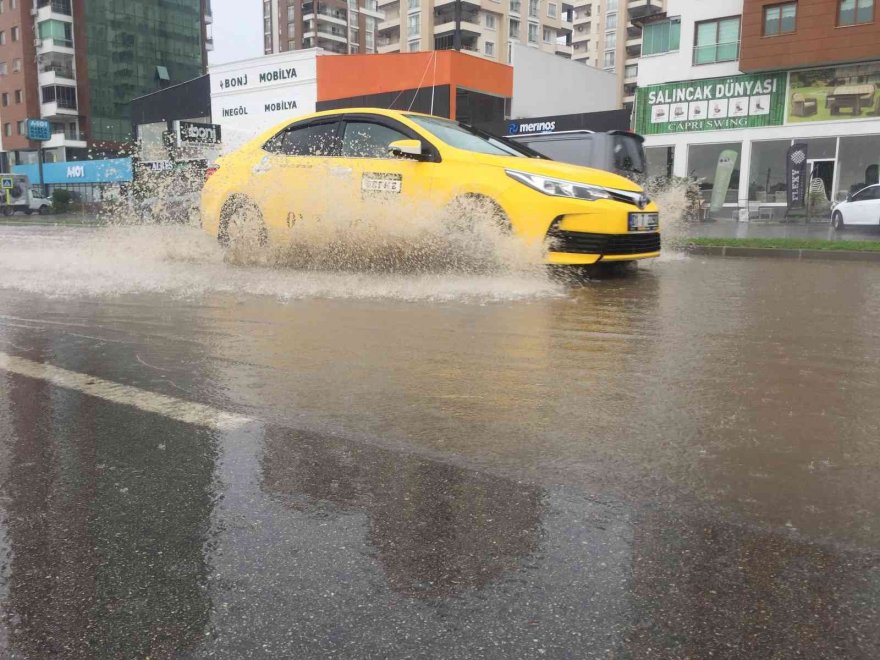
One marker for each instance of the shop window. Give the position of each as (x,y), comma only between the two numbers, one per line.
(659,161)
(716,168)
(767,171)
(853,12)
(780,19)
(717,41)
(858,164)
(661,37)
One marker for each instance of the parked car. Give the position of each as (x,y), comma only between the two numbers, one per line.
(587,215)
(861,208)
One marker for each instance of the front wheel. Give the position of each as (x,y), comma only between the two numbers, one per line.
(837,220)
(8,210)
(468,212)
(44,210)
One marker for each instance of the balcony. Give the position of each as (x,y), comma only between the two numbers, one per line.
(72,140)
(57,76)
(391,23)
(47,46)
(466,5)
(388,3)
(54,109)
(371,8)
(639,9)
(389,47)
(60,10)
(467,29)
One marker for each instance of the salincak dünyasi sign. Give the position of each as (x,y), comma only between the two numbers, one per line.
(250,96)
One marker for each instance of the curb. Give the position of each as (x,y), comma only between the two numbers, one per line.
(782,253)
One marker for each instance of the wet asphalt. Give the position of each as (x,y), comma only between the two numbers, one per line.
(679,463)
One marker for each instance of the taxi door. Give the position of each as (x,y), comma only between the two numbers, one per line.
(380,177)
(291,180)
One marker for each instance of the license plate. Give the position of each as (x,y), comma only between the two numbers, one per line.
(643,221)
(382,183)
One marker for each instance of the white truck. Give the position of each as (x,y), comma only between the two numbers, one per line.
(17,194)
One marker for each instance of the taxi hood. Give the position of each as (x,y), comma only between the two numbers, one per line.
(555,169)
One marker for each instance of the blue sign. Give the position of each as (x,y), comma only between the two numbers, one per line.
(39,130)
(115,170)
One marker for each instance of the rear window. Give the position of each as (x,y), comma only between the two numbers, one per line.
(629,156)
(566,150)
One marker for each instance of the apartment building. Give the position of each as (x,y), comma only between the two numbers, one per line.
(78,64)
(735,93)
(337,26)
(605,36)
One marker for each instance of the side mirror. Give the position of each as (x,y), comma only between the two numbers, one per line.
(849,197)
(407,149)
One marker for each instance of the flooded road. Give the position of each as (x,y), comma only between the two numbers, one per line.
(204,460)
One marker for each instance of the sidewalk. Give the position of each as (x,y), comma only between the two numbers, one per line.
(819,230)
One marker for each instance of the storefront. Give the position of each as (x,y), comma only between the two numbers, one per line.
(90,181)
(733,135)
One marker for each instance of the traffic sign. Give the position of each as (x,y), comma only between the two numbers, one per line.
(7,183)
(39,130)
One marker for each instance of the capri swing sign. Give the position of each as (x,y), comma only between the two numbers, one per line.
(715,104)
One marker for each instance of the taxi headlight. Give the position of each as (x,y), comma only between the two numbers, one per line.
(559,187)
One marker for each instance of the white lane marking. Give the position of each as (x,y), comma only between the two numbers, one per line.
(181,410)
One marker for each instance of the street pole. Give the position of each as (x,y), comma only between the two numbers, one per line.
(456,35)
(40,161)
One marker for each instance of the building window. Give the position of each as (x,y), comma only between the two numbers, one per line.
(611,41)
(611,21)
(353,49)
(514,6)
(14,32)
(551,9)
(490,21)
(533,33)
(631,71)
(533,8)
(717,41)
(7,130)
(548,35)
(291,30)
(16,65)
(415,5)
(611,5)
(853,12)
(3,69)
(291,13)
(609,59)
(19,97)
(414,45)
(414,24)
(2,38)
(514,29)
(22,130)
(489,48)
(2,2)
(13,4)
(4,99)
(779,19)
(661,37)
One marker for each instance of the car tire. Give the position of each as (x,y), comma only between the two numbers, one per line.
(837,221)
(241,221)
(8,210)
(466,212)
(44,210)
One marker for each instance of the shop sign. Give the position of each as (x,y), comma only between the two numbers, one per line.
(716,104)
(114,170)
(836,93)
(190,132)
(796,173)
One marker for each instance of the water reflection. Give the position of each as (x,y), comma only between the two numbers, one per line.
(437,529)
(106,517)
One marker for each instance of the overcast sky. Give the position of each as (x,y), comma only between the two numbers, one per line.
(238,30)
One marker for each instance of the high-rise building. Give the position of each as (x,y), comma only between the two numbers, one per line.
(605,37)
(78,64)
(337,26)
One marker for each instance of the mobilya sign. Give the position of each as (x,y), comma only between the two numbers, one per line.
(715,104)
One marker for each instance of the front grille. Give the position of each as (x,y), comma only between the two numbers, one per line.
(605,244)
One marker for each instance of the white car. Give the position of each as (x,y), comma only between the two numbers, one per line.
(861,208)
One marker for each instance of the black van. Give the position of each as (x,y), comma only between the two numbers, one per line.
(620,152)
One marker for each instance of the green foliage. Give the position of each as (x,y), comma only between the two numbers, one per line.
(61,200)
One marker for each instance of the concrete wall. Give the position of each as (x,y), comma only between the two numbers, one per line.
(546,84)
(679,65)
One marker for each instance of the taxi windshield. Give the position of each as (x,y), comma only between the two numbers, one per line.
(462,136)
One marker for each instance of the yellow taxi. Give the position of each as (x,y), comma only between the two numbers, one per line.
(583,215)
